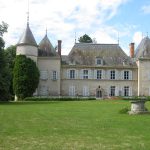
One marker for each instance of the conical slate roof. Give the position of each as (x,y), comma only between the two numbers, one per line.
(46,48)
(27,38)
(143,50)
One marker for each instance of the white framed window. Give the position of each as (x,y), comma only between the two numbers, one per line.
(72,74)
(99,74)
(99,61)
(85,74)
(43,75)
(112,90)
(126,75)
(112,74)
(85,91)
(54,75)
(72,91)
(126,91)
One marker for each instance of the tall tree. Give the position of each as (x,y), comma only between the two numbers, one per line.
(4,70)
(10,53)
(85,39)
(26,77)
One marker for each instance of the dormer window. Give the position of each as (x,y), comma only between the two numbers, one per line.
(99,61)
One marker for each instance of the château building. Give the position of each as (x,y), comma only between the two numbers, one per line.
(97,70)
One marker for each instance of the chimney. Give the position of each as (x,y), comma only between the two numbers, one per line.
(131,46)
(59,47)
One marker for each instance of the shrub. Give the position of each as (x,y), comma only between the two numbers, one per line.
(58,99)
(26,77)
(124,110)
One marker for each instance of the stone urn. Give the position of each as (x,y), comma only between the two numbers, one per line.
(138,107)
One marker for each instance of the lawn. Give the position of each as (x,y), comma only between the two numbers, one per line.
(72,125)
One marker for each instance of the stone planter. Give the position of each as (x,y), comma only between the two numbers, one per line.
(138,107)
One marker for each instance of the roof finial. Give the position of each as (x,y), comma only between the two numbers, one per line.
(46,31)
(28,14)
(118,38)
(75,38)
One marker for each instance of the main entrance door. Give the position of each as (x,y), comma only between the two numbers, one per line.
(99,94)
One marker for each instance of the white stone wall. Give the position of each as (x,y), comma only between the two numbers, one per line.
(92,83)
(29,51)
(143,77)
(48,86)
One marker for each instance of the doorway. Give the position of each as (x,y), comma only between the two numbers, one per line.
(99,94)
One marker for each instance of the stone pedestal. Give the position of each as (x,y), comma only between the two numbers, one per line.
(138,107)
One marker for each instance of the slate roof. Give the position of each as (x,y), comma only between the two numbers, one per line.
(86,53)
(46,48)
(27,38)
(143,50)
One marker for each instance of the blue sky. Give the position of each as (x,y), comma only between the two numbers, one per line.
(103,20)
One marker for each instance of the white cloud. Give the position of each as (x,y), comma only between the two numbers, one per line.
(137,37)
(62,18)
(146,9)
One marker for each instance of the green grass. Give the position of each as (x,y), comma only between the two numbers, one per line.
(72,125)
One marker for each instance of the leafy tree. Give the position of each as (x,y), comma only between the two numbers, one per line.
(4,70)
(85,39)
(10,54)
(26,77)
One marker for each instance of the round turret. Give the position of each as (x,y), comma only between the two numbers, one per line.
(27,45)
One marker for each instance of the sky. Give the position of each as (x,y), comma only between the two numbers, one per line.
(106,21)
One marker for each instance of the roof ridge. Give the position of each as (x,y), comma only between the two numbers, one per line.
(97,43)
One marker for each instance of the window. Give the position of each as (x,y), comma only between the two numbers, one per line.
(85,91)
(71,90)
(126,75)
(126,91)
(112,91)
(85,74)
(43,75)
(54,75)
(112,74)
(98,61)
(72,74)
(99,74)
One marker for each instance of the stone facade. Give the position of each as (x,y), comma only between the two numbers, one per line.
(97,70)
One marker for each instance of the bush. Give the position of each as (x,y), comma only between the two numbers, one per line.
(124,110)
(26,77)
(58,99)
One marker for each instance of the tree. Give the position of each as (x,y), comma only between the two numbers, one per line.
(85,39)
(10,54)
(26,77)
(4,70)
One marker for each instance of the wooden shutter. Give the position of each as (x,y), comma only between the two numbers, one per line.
(95,74)
(130,75)
(130,91)
(103,74)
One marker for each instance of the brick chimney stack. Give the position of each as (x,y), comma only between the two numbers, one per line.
(59,47)
(131,46)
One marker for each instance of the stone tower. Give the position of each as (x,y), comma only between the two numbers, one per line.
(27,45)
(142,56)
